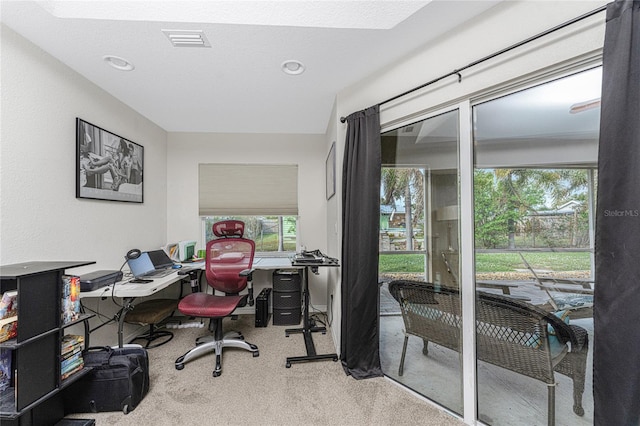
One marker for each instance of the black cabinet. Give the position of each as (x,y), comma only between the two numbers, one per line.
(35,351)
(287,297)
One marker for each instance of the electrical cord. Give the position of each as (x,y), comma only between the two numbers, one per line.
(102,317)
(317,314)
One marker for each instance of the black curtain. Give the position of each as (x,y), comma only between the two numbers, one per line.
(616,362)
(359,342)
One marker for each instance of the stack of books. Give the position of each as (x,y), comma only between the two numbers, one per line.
(8,315)
(71,355)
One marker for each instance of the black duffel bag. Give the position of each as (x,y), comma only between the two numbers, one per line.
(118,381)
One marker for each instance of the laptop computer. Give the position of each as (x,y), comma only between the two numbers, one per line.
(142,267)
(160,259)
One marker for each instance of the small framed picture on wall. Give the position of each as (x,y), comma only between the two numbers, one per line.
(108,166)
(330,166)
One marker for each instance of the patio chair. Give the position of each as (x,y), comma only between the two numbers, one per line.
(510,333)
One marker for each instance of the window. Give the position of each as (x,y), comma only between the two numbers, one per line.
(263,196)
(271,234)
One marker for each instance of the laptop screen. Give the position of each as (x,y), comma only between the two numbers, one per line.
(141,265)
(160,259)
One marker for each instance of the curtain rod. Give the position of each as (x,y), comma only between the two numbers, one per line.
(493,55)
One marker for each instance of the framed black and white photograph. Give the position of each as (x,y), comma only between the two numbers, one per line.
(330,166)
(108,166)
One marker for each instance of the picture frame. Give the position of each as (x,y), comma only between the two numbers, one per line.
(330,169)
(108,166)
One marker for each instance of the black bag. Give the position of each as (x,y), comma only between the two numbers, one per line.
(119,379)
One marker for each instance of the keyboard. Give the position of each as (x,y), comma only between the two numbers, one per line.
(158,273)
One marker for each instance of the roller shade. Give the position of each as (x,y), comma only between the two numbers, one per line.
(248,189)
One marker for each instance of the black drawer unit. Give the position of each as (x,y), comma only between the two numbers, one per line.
(287,297)
(287,316)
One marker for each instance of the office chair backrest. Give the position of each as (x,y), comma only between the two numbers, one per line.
(227,256)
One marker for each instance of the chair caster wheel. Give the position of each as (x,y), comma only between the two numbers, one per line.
(335,359)
(288,365)
(256,354)
(179,366)
(217,373)
(125,409)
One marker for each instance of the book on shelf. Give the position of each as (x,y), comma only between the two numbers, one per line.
(8,328)
(5,369)
(71,351)
(8,315)
(9,304)
(71,360)
(70,343)
(70,298)
(70,363)
(71,372)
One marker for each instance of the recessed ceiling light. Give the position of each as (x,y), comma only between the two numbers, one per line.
(292,67)
(118,63)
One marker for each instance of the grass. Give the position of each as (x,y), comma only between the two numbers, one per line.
(269,242)
(494,262)
(508,262)
(409,263)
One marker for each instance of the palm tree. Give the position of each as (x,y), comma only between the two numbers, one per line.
(405,184)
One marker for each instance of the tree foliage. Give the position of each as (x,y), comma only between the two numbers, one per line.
(504,197)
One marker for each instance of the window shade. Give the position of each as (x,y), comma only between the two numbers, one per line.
(248,189)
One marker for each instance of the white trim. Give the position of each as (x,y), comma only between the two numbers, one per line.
(467,264)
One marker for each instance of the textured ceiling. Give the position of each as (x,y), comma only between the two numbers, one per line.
(237,84)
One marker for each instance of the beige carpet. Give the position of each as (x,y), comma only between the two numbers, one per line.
(262,391)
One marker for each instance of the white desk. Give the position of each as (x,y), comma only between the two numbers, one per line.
(129,291)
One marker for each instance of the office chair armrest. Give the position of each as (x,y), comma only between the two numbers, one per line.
(249,274)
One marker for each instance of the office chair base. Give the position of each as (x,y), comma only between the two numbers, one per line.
(235,335)
(216,346)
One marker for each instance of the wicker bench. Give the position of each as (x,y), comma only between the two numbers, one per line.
(510,333)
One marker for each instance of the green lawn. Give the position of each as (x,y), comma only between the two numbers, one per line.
(494,262)
(508,262)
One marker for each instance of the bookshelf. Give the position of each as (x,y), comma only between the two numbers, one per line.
(32,397)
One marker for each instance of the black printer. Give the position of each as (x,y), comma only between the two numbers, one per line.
(97,279)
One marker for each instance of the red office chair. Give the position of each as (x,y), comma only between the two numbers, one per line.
(228,270)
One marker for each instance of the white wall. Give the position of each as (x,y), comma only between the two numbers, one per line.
(41,217)
(334,231)
(187,150)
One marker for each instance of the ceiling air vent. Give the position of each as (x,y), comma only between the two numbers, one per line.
(187,38)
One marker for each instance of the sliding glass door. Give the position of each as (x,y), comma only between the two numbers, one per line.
(521,294)
(419,246)
(534,192)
